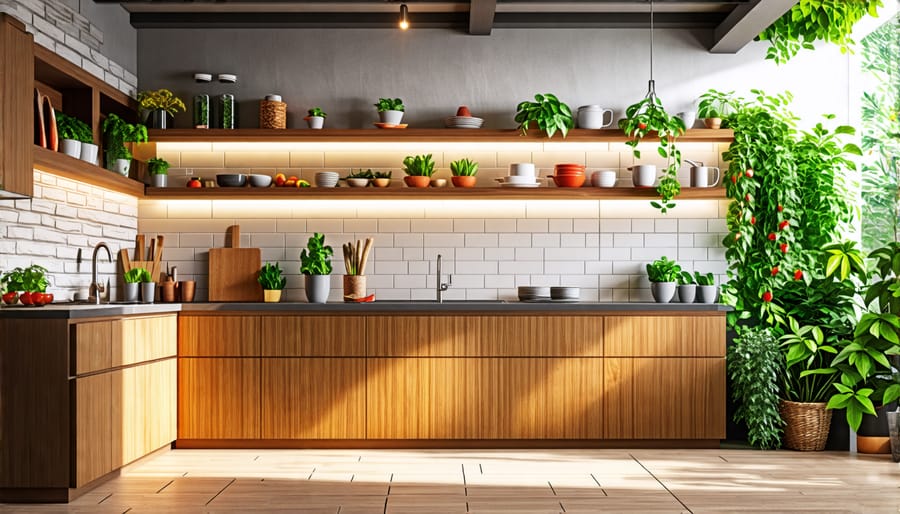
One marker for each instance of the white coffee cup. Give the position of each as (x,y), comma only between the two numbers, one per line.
(522,169)
(688,117)
(603,178)
(643,175)
(519,179)
(700,176)
(594,117)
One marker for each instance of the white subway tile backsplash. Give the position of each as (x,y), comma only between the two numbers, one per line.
(628,240)
(660,240)
(500,254)
(468,254)
(445,240)
(532,225)
(615,225)
(545,240)
(560,225)
(481,240)
(572,241)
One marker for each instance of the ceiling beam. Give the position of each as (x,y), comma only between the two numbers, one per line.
(481,17)
(745,22)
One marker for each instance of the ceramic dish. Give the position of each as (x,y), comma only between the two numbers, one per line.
(260,180)
(390,126)
(231,180)
(357,182)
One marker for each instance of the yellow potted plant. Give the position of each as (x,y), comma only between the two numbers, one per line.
(272,282)
(160,105)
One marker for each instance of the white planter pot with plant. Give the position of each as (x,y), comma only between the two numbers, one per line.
(315,264)
(159,172)
(663,275)
(271,279)
(707,290)
(390,110)
(118,132)
(687,287)
(133,279)
(89,152)
(73,133)
(315,118)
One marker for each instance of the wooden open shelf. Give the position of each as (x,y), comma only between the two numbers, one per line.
(431,193)
(62,165)
(422,135)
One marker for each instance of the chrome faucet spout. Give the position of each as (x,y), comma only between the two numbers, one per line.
(97,288)
(441,287)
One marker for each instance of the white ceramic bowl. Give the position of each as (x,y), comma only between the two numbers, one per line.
(522,169)
(327,178)
(603,178)
(260,180)
(357,182)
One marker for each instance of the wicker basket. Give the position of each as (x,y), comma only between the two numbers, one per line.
(806,425)
(272,115)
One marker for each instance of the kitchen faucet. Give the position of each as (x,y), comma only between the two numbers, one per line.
(440,286)
(96,288)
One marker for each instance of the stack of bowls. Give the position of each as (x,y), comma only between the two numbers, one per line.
(565,293)
(569,175)
(327,179)
(533,293)
(521,174)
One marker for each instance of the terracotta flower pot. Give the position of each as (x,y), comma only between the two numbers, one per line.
(464,181)
(712,123)
(381,182)
(417,181)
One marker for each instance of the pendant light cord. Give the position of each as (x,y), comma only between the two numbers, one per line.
(651,87)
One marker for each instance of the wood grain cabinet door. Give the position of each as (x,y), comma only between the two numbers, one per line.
(664,336)
(146,339)
(149,409)
(313,336)
(218,336)
(218,398)
(98,428)
(94,346)
(313,398)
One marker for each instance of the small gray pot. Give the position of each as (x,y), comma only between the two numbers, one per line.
(70,147)
(317,288)
(391,117)
(315,122)
(687,293)
(122,166)
(131,291)
(893,419)
(707,294)
(159,180)
(663,292)
(148,292)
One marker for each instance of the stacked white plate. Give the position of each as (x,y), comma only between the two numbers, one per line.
(519,181)
(565,293)
(469,122)
(533,293)
(327,178)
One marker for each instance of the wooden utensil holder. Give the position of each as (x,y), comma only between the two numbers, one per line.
(354,286)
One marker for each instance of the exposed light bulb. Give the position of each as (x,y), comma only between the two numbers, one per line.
(404,17)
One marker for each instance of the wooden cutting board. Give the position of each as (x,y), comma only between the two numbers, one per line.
(233,271)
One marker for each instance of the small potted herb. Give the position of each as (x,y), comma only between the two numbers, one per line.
(714,106)
(464,171)
(31,282)
(419,170)
(148,288)
(315,265)
(118,132)
(663,275)
(359,178)
(390,110)
(382,179)
(315,118)
(687,287)
(707,290)
(161,106)
(73,134)
(272,282)
(133,279)
(159,172)
(548,113)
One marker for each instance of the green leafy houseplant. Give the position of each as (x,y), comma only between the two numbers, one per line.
(812,20)
(663,270)
(685,278)
(707,279)
(383,174)
(316,111)
(315,259)
(418,166)
(754,367)
(648,116)
(32,279)
(137,275)
(118,132)
(390,104)
(715,104)
(464,168)
(158,166)
(547,112)
(70,127)
(270,277)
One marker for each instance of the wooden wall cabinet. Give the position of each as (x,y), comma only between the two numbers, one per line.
(16,112)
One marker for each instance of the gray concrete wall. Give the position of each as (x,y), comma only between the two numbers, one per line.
(434,71)
(119,37)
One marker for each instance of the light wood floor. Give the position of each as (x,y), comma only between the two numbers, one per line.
(534,481)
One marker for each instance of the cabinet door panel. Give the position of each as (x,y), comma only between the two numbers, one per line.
(313,398)
(218,336)
(145,339)
(98,431)
(149,409)
(313,336)
(394,398)
(665,336)
(93,347)
(218,398)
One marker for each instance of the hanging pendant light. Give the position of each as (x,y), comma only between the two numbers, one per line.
(404,17)
(651,85)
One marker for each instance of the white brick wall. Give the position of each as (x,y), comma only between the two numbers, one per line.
(49,230)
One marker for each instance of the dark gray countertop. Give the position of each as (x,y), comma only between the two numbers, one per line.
(80,310)
(493,307)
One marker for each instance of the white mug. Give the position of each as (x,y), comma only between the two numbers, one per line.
(594,117)
(604,178)
(643,175)
(688,117)
(522,169)
(700,176)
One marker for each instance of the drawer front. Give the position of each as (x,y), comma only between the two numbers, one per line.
(92,346)
(664,336)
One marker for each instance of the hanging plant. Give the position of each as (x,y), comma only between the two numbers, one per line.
(831,21)
(648,116)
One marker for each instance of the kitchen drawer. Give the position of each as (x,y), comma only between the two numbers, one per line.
(218,336)
(313,336)
(664,336)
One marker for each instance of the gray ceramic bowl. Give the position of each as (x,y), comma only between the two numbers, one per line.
(231,180)
(260,180)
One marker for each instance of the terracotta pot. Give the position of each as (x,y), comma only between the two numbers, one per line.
(467,181)
(167,291)
(712,123)
(272,295)
(186,290)
(354,286)
(381,182)
(873,435)
(417,181)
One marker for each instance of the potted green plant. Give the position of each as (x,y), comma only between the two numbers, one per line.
(663,274)
(547,112)
(315,118)
(640,120)
(707,290)
(31,283)
(390,110)
(687,287)
(715,105)
(359,178)
(271,279)
(382,179)
(315,265)
(160,106)
(118,132)
(11,283)
(464,171)
(133,279)
(419,170)
(754,365)
(159,172)
(73,133)
(148,288)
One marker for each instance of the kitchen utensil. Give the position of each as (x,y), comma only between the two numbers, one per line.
(150,262)
(603,178)
(517,179)
(565,293)
(232,271)
(167,291)
(533,293)
(231,179)
(643,175)
(260,180)
(594,117)
(700,176)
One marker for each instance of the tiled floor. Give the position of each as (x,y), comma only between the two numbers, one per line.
(460,481)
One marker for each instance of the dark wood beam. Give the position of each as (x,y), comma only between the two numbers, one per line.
(745,22)
(481,17)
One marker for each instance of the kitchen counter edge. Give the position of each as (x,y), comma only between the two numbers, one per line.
(80,311)
(474,307)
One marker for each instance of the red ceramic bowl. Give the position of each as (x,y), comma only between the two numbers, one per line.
(569,180)
(570,165)
(570,172)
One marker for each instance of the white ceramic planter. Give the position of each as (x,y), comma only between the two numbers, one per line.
(122,166)
(89,153)
(70,147)
(687,293)
(663,292)
(131,292)
(707,294)
(391,117)
(315,122)
(317,288)
(159,180)
(148,292)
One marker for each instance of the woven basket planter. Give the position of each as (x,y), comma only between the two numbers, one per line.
(806,425)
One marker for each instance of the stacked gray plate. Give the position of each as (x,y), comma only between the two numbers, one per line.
(565,293)
(533,293)
(463,122)
(327,178)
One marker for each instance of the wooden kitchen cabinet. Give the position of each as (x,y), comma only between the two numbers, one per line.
(218,398)
(98,426)
(16,104)
(218,336)
(664,336)
(149,417)
(313,336)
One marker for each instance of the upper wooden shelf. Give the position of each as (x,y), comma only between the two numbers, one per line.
(397,192)
(63,165)
(426,135)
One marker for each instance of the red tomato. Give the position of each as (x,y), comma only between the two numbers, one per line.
(642,126)
(37,299)
(25,298)
(194,183)
(48,298)
(749,173)
(772,236)
(748,198)
(734,179)
(798,275)
(775,271)
(767,296)
(11,298)
(784,248)
(780,208)
(783,225)
(753,220)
